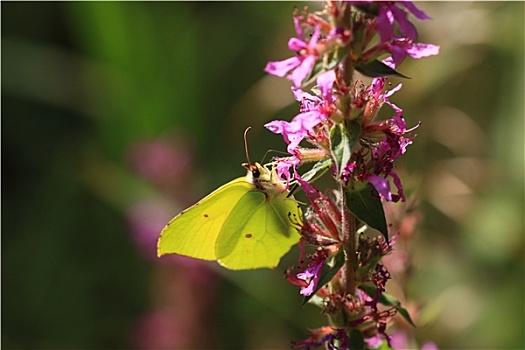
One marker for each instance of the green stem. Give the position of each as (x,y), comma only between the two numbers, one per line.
(349,227)
(348,219)
(348,64)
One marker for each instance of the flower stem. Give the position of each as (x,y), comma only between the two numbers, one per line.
(349,238)
(348,71)
(348,219)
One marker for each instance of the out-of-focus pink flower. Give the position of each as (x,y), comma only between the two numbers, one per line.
(146,219)
(160,330)
(429,346)
(160,161)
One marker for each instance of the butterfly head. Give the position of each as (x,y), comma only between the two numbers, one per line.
(264,179)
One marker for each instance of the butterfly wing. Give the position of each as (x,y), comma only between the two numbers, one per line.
(258,231)
(194,231)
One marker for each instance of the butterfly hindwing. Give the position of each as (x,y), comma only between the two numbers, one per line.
(258,231)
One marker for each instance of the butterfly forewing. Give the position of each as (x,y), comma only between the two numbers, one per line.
(194,232)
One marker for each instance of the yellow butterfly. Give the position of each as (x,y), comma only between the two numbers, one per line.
(247,223)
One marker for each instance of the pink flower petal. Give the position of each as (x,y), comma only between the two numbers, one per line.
(325,82)
(302,71)
(381,185)
(280,68)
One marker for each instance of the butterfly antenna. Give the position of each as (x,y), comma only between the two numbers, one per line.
(246,145)
(275,151)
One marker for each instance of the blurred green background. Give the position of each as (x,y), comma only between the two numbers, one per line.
(117,115)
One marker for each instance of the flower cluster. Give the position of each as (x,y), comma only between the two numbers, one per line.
(340,266)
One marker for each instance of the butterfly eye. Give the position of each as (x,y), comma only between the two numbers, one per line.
(256,173)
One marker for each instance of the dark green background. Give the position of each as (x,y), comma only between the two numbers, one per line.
(89,89)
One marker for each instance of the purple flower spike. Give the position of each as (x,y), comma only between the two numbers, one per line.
(340,121)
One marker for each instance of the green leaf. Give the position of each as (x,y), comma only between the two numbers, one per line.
(354,130)
(377,69)
(365,203)
(356,341)
(384,298)
(341,146)
(388,300)
(369,289)
(318,170)
(406,315)
(339,56)
(328,273)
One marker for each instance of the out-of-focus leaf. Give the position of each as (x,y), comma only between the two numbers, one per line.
(318,170)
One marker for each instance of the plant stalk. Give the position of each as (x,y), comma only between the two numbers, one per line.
(349,228)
